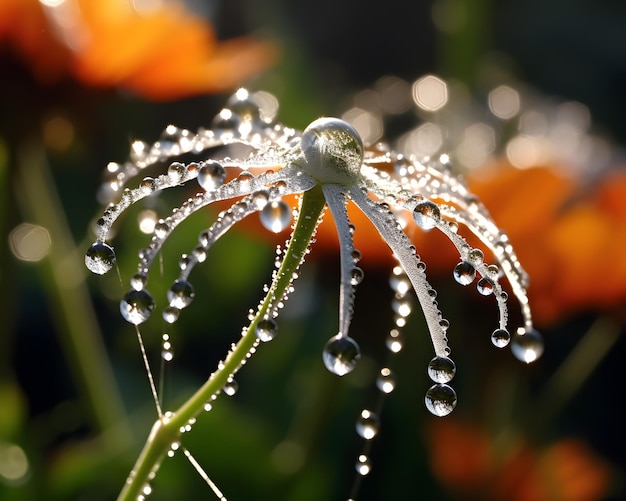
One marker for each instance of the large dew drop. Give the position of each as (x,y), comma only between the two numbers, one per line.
(441,369)
(181,294)
(333,151)
(266,330)
(136,306)
(100,258)
(276,216)
(426,214)
(464,273)
(211,175)
(500,338)
(440,400)
(341,354)
(527,345)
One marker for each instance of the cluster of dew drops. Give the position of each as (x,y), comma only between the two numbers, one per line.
(341,353)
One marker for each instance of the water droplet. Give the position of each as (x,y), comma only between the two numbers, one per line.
(426,214)
(341,354)
(367,425)
(356,256)
(527,345)
(363,465)
(485,286)
(441,369)
(138,281)
(356,275)
(386,381)
(394,341)
(147,185)
(333,151)
(276,216)
(211,175)
(260,199)
(475,257)
(266,330)
(402,307)
(231,387)
(440,400)
(100,258)
(181,294)
(500,338)
(176,171)
(161,229)
(171,314)
(136,306)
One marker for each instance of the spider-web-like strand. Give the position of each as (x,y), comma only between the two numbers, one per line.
(336,200)
(291,180)
(400,244)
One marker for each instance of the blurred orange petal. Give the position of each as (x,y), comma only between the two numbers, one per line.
(165,53)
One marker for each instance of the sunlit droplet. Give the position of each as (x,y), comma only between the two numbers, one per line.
(464,273)
(426,214)
(341,355)
(440,400)
(100,258)
(211,175)
(441,369)
(386,381)
(266,330)
(367,424)
(527,345)
(500,338)
(136,306)
(276,216)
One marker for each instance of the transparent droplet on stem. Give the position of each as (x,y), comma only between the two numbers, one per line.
(440,400)
(341,354)
(464,273)
(100,258)
(231,387)
(484,287)
(441,369)
(367,424)
(276,216)
(171,314)
(136,306)
(211,175)
(500,338)
(180,294)
(266,330)
(426,214)
(356,275)
(527,345)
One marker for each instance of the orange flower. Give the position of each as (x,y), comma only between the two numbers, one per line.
(164,53)
(474,465)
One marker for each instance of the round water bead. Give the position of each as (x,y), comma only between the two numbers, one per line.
(363,465)
(500,338)
(527,345)
(211,175)
(484,286)
(333,151)
(440,400)
(100,258)
(181,294)
(356,276)
(231,387)
(136,306)
(171,314)
(441,369)
(386,381)
(367,425)
(276,216)
(341,354)
(426,214)
(266,330)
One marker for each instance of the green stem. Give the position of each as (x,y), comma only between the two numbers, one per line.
(166,430)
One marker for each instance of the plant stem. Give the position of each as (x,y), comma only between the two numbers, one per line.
(166,430)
